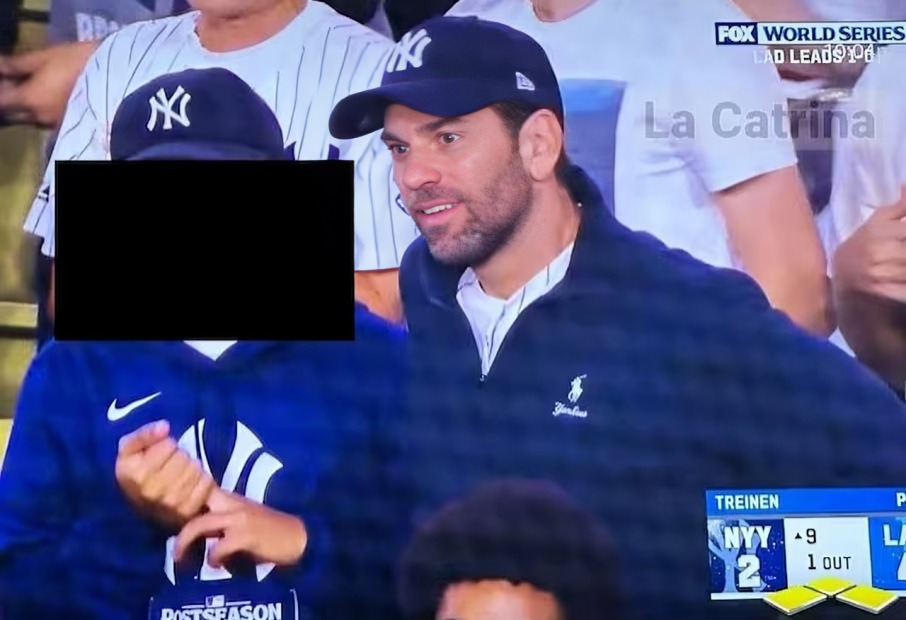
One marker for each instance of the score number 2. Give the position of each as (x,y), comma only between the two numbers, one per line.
(749,571)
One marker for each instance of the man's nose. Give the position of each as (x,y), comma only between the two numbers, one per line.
(419,170)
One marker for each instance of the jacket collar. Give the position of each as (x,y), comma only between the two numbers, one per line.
(440,282)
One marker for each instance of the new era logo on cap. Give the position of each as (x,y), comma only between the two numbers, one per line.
(523,83)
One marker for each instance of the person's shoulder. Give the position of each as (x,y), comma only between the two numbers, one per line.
(373,329)
(342,29)
(414,255)
(152,29)
(688,45)
(381,348)
(880,87)
(73,363)
(675,274)
(413,267)
(76,350)
(123,50)
(753,342)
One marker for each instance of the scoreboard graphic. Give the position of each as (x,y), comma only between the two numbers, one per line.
(797,548)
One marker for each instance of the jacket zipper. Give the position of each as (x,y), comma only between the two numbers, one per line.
(483,377)
(533,307)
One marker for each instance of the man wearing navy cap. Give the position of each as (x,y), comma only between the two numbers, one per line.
(550,341)
(213,479)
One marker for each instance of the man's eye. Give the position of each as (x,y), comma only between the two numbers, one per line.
(397,149)
(448,138)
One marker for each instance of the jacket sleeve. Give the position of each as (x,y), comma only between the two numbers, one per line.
(37,537)
(831,421)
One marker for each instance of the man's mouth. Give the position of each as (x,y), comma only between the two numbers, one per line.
(439,208)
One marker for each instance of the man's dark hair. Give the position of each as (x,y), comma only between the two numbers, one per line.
(514,114)
(519,531)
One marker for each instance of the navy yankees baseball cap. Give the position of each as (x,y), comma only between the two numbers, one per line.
(453,66)
(201,114)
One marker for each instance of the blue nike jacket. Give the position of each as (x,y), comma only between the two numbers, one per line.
(306,434)
(641,381)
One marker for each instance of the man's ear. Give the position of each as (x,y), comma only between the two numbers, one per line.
(540,144)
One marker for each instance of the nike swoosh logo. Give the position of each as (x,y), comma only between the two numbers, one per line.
(115,413)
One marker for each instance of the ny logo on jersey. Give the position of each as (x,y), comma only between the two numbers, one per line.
(166,107)
(409,51)
(247,454)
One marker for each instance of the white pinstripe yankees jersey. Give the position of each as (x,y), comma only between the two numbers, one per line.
(301,72)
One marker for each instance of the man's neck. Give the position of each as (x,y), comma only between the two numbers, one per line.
(551,227)
(558,10)
(227,34)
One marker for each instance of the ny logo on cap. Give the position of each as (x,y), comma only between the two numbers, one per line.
(408,52)
(165,107)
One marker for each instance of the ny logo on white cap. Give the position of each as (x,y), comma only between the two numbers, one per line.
(166,107)
(408,52)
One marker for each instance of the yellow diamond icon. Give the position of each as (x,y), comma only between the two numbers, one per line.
(793,600)
(868,599)
(831,586)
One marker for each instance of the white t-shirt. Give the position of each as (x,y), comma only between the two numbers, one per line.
(631,71)
(302,71)
(211,348)
(857,10)
(843,11)
(870,164)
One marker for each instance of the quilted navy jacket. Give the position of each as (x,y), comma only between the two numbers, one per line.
(644,379)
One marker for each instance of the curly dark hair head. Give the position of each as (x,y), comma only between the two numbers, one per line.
(519,531)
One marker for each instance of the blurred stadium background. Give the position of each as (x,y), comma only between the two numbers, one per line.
(20,155)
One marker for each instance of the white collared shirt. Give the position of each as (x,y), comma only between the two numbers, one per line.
(491,318)
(212,348)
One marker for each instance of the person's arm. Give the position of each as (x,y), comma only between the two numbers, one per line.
(82,136)
(51,295)
(797,11)
(383,229)
(753,178)
(771,229)
(40,546)
(875,329)
(378,289)
(36,86)
(870,292)
(846,421)
(383,232)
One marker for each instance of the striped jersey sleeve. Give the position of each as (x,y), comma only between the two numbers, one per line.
(82,136)
(383,230)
